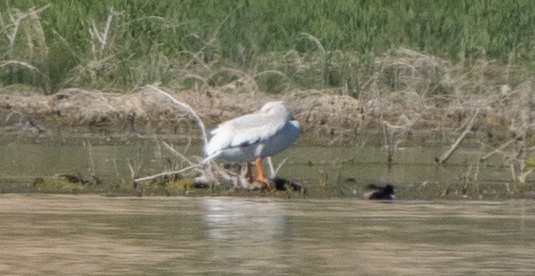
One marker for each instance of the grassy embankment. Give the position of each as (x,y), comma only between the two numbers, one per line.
(277,45)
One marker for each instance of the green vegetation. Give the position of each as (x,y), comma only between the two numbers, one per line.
(276,44)
(61,184)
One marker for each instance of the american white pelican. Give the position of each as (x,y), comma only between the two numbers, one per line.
(254,136)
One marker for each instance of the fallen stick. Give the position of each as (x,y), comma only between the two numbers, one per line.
(498,150)
(165,173)
(455,145)
(175,152)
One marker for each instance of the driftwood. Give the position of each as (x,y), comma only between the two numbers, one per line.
(442,159)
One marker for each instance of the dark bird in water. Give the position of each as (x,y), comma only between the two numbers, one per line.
(283,184)
(375,192)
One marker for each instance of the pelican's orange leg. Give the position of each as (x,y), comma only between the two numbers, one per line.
(260,171)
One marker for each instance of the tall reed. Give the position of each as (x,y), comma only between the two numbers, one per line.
(121,43)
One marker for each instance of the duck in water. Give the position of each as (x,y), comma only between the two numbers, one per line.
(375,192)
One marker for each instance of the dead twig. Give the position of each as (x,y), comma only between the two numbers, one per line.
(391,138)
(273,172)
(165,173)
(99,39)
(455,145)
(201,127)
(497,150)
(198,120)
(175,152)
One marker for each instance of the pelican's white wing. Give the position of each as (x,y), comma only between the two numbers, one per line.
(245,130)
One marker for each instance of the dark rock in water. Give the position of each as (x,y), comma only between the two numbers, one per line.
(201,185)
(375,192)
(77,178)
(283,184)
(201,182)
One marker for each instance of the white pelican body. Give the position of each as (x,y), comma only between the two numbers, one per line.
(254,136)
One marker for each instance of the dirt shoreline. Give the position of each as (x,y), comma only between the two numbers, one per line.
(325,117)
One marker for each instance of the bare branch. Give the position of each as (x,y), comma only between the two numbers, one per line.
(455,145)
(498,150)
(175,152)
(200,124)
(186,107)
(272,171)
(165,173)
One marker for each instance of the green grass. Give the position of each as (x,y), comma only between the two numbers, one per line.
(162,41)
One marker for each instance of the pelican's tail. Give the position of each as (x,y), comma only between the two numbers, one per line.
(210,157)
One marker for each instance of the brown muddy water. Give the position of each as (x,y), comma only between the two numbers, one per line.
(432,226)
(96,235)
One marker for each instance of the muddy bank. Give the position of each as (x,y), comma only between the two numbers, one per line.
(326,117)
(344,188)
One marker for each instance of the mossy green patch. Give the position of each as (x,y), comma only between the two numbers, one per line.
(530,161)
(178,187)
(58,185)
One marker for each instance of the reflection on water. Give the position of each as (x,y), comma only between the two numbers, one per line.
(227,220)
(52,234)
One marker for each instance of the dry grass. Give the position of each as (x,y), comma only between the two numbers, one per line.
(411,98)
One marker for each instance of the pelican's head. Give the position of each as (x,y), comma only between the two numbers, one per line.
(274,108)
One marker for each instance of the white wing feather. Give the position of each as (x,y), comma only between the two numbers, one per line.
(245,130)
